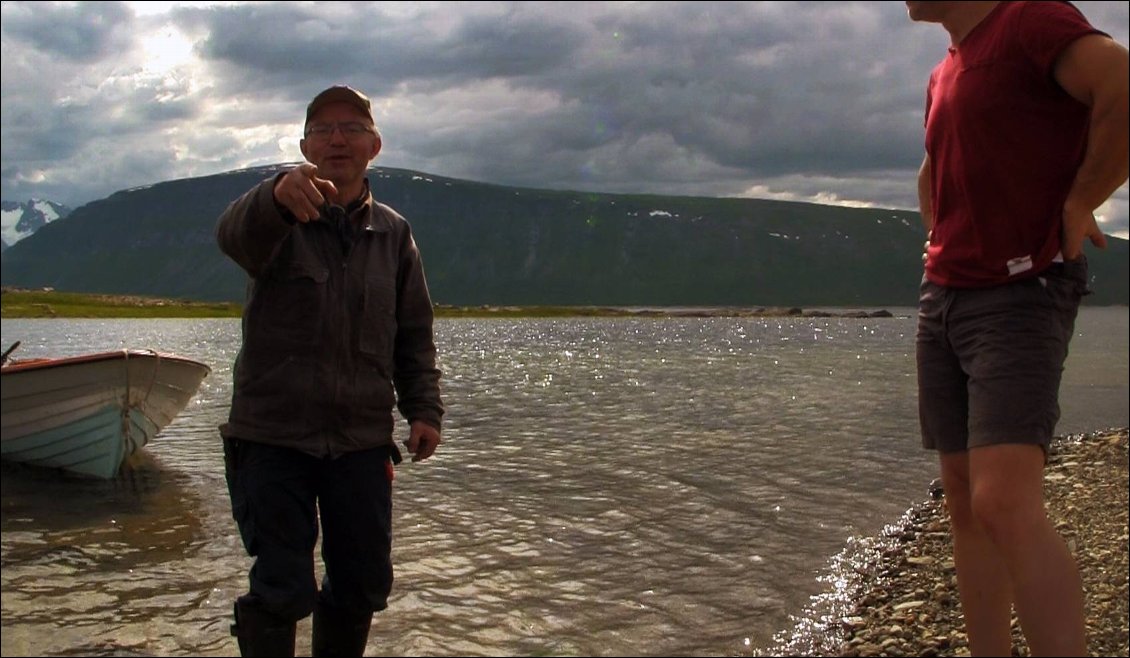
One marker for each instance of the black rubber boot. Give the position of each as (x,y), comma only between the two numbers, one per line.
(336,634)
(260,633)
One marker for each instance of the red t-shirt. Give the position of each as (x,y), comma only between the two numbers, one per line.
(1005,141)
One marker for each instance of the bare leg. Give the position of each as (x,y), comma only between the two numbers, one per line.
(1008,503)
(982,580)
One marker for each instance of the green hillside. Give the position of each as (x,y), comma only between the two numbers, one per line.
(489,244)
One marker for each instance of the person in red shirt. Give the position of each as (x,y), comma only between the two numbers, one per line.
(1026,135)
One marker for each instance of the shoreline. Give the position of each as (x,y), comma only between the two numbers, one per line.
(47,303)
(19,303)
(896,594)
(509,311)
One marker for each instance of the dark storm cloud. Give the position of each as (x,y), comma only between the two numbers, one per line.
(34,132)
(272,48)
(755,87)
(804,100)
(74,31)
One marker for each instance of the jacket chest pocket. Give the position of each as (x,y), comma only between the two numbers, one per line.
(292,301)
(378,319)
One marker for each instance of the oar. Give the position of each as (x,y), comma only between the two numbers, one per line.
(4,359)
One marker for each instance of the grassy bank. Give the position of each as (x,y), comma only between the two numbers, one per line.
(52,304)
(15,303)
(20,303)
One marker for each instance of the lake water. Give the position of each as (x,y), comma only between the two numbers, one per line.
(652,486)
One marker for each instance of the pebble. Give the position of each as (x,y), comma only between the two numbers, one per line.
(907,602)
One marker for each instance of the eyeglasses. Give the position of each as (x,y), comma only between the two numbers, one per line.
(350,129)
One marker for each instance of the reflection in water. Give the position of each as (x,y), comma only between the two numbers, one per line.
(605,487)
(88,564)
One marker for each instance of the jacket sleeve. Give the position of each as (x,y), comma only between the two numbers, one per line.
(252,227)
(415,374)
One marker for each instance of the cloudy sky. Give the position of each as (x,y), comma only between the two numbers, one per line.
(814,101)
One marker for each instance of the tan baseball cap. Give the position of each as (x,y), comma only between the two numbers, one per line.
(340,94)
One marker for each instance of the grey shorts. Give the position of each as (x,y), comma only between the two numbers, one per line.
(990,359)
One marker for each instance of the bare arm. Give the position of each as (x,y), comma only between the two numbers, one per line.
(925,200)
(1094,70)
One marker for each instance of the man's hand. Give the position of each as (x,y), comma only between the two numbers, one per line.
(302,193)
(1078,225)
(423,439)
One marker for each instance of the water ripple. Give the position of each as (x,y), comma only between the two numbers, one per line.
(628,486)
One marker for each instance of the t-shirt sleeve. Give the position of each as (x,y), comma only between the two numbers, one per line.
(929,97)
(1046,29)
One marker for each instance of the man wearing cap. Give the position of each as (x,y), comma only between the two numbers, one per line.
(337,332)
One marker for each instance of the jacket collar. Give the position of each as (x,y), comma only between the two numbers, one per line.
(375,219)
(366,211)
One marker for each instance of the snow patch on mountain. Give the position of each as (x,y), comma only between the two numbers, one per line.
(19,220)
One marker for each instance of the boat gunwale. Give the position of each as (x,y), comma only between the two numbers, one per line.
(18,365)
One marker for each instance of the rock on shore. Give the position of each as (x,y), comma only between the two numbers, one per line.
(896,595)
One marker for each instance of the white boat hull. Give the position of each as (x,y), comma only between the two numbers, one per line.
(89,414)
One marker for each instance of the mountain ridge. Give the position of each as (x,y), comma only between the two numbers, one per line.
(484,243)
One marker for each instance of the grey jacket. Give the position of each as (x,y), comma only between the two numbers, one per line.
(334,335)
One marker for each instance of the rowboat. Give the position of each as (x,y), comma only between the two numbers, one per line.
(89,414)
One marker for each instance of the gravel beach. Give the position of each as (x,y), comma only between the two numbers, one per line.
(896,595)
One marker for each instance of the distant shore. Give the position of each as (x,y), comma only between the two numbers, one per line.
(896,594)
(22,303)
(46,303)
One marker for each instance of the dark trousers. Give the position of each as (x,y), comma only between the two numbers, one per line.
(278,496)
